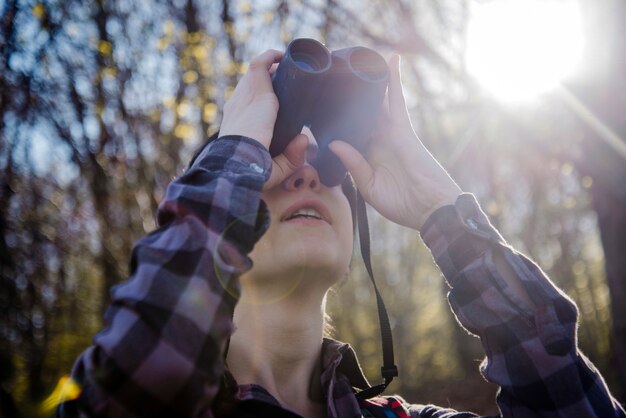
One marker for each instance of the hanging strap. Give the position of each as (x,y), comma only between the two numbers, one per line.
(389,370)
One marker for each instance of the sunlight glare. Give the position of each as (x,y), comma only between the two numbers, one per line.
(520,49)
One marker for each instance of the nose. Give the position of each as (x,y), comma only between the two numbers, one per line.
(305,177)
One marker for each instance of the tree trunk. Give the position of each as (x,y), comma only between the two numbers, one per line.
(8,293)
(603,90)
(611,210)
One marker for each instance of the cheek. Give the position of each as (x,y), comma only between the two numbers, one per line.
(264,249)
(348,244)
(256,255)
(345,229)
(347,232)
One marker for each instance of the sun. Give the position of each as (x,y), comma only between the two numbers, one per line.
(519,49)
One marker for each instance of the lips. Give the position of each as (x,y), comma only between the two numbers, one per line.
(307,209)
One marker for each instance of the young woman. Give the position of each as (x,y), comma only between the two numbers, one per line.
(223,314)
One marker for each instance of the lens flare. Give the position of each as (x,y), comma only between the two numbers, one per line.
(520,49)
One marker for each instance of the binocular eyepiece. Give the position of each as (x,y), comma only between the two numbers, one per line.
(336,94)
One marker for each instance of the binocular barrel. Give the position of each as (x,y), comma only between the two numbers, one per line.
(336,94)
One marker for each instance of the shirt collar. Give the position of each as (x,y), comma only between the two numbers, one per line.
(339,365)
(339,358)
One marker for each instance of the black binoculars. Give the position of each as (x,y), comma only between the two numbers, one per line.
(337,95)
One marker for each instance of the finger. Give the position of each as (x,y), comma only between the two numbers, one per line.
(397,104)
(264,61)
(386,101)
(259,70)
(273,68)
(361,171)
(295,152)
(286,163)
(383,120)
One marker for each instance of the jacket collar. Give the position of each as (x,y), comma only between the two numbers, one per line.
(340,377)
(339,358)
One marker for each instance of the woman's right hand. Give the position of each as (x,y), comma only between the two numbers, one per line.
(251,111)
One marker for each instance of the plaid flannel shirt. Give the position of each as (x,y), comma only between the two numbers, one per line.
(161,353)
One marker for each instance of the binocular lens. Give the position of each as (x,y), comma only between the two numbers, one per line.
(306,61)
(368,65)
(309,55)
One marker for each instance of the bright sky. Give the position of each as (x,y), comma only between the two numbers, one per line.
(520,49)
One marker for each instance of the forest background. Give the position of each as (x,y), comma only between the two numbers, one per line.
(103,102)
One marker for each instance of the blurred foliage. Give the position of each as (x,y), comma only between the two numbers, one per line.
(102,103)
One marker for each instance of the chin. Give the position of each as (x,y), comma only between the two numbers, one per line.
(325,260)
(316,256)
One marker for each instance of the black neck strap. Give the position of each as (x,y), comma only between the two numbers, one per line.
(389,370)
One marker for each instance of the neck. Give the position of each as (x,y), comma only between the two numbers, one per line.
(278,345)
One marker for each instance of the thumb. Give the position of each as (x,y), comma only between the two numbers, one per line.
(286,163)
(361,171)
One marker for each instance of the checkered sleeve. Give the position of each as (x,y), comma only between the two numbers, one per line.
(161,351)
(531,352)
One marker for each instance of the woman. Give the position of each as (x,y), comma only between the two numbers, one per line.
(224,312)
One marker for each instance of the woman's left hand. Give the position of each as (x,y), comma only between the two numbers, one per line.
(399,177)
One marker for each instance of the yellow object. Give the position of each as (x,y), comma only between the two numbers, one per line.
(66,390)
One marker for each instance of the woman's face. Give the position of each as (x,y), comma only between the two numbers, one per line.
(310,235)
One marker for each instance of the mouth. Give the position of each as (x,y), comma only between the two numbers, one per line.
(307,210)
